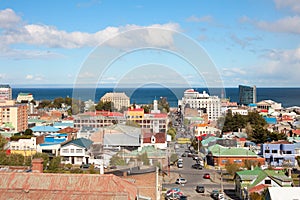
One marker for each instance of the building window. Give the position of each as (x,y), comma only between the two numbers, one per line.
(79,159)
(65,150)
(274,151)
(267,151)
(268,182)
(78,150)
(65,158)
(237,161)
(224,161)
(72,150)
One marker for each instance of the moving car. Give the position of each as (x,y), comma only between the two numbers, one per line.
(197,166)
(200,188)
(181,181)
(206,176)
(215,194)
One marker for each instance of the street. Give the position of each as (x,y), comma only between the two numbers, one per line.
(195,177)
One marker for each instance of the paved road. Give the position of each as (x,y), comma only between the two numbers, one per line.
(195,177)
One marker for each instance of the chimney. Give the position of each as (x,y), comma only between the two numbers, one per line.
(37,165)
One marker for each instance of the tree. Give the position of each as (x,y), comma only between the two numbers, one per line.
(116,160)
(3,158)
(173,158)
(132,123)
(28,132)
(232,168)
(45,104)
(16,159)
(144,158)
(106,105)
(57,102)
(172,132)
(256,196)
(3,142)
(54,164)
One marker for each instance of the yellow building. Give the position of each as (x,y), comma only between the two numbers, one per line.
(135,114)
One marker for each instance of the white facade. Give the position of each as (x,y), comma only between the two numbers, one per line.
(5,92)
(119,99)
(28,97)
(206,130)
(74,154)
(54,148)
(23,144)
(203,102)
(240,111)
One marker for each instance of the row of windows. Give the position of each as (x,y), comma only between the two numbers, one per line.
(72,150)
(78,159)
(276,151)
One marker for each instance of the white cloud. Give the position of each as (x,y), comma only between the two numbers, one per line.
(50,36)
(37,77)
(9,19)
(206,18)
(29,77)
(233,71)
(288,24)
(294,5)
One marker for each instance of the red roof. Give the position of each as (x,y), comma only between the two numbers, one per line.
(65,186)
(68,130)
(110,114)
(159,115)
(297,131)
(258,188)
(135,109)
(159,137)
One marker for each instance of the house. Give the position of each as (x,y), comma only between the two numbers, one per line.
(52,144)
(62,125)
(122,136)
(76,151)
(279,153)
(257,180)
(220,156)
(158,140)
(279,193)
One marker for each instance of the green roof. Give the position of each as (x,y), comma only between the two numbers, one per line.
(218,150)
(151,152)
(82,142)
(36,120)
(24,94)
(208,140)
(257,174)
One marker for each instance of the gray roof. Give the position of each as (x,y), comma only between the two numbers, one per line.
(121,139)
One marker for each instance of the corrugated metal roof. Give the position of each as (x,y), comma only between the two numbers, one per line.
(64,186)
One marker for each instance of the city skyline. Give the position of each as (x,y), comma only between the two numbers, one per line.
(249,42)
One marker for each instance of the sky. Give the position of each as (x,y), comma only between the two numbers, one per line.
(139,42)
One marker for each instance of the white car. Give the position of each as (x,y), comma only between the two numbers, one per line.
(181,181)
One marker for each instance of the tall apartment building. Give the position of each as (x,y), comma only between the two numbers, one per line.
(14,114)
(5,92)
(203,102)
(119,99)
(247,94)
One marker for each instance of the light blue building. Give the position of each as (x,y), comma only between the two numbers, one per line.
(279,154)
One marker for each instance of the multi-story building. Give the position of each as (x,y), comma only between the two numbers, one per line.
(5,92)
(280,153)
(14,114)
(25,97)
(203,102)
(97,119)
(247,94)
(119,99)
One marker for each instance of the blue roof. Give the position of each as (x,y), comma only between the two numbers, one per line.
(66,124)
(82,142)
(44,129)
(271,120)
(252,105)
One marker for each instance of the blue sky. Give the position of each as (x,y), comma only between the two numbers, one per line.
(252,42)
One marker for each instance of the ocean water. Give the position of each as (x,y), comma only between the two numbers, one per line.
(287,96)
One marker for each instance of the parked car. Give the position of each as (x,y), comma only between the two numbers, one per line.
(85,166)
(181,181)
(215,194)
(197,166)
(200,188)
(206,176)
(183,155)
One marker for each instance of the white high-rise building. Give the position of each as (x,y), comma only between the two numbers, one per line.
(203,102)
(5,92)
